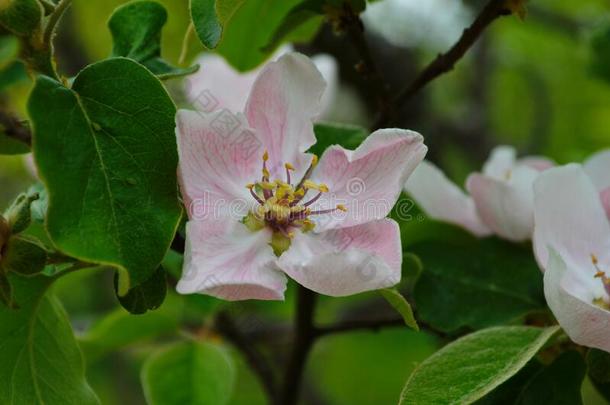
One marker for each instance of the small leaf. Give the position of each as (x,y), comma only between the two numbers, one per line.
(22,17)
(136,31)
(19,214)
(209,18)
(41,361)
(401,305)
(471,367)
(328,134)
(297,16)
(146,296)
(189,373)
(475,283)
(113,196)
(24,256)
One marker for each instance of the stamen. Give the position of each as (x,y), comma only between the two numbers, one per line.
(601,274)
(256,197)
(288,167)
(313,200)
(314,162)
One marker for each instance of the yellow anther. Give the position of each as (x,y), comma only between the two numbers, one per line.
(250,186)
(288,166)
(313,186)
(299,193)
(297,209)
(594,259)
(266,186)
(341,207)
(314,160)
(265,156)
(323,188)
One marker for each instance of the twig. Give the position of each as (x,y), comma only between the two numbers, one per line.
(445,62)
(305,334)
(54,18)
(367,67)
(225,325)
(15,128)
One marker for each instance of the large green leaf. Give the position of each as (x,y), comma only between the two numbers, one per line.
(197,373)
(474,365)
(136,32)
(252,27)
(41,361)
(106,151)
(22,17)
(210,16)
(476,284)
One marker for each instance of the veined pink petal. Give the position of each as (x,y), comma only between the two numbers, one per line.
(605,198)
(506,205)
(214,167)
(443,200)
(225,260)
(585,323)
(597,168)
(570,218)
(284,101)
(346,261)
(368,180)
(217,85)
(501,161)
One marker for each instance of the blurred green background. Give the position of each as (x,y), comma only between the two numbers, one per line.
(527,83)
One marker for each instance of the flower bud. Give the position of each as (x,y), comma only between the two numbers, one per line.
(19,214)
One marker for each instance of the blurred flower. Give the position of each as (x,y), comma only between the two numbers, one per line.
(572,246)
(252,221)
(500,201)
(230,88)
(434,24)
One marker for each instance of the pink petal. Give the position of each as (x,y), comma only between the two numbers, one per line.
(225,260)
(585,323)
(346,261)
(539,163)
(441,199)
(570,218)
(217,85)
(597,168)
(214,166)
(501,161)
(605,199)
(284,101)
(505,205)
(368,180)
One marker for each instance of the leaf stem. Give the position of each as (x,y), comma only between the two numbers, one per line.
(54,18)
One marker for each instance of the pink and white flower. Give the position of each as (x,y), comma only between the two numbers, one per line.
(257,217)
(500,200)
(572,246)
(218,85)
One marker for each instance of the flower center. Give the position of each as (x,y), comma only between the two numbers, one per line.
(602,301)
(282,205)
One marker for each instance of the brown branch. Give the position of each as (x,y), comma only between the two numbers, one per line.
(445,62)
(305,335)
(226,327)
(367,67)
(15,128)
(350,326)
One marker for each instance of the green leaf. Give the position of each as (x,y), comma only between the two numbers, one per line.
(22,17)
(598,364)
(600,44)
(136,32)
(476,284)
(6,292)
(328,134)
(23,256)
(401,305)
(252,27)
(189,373)
(210,16)
(41,361)
(474,365)
(119,329)
(146,296)
(106,152)
(297,16)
